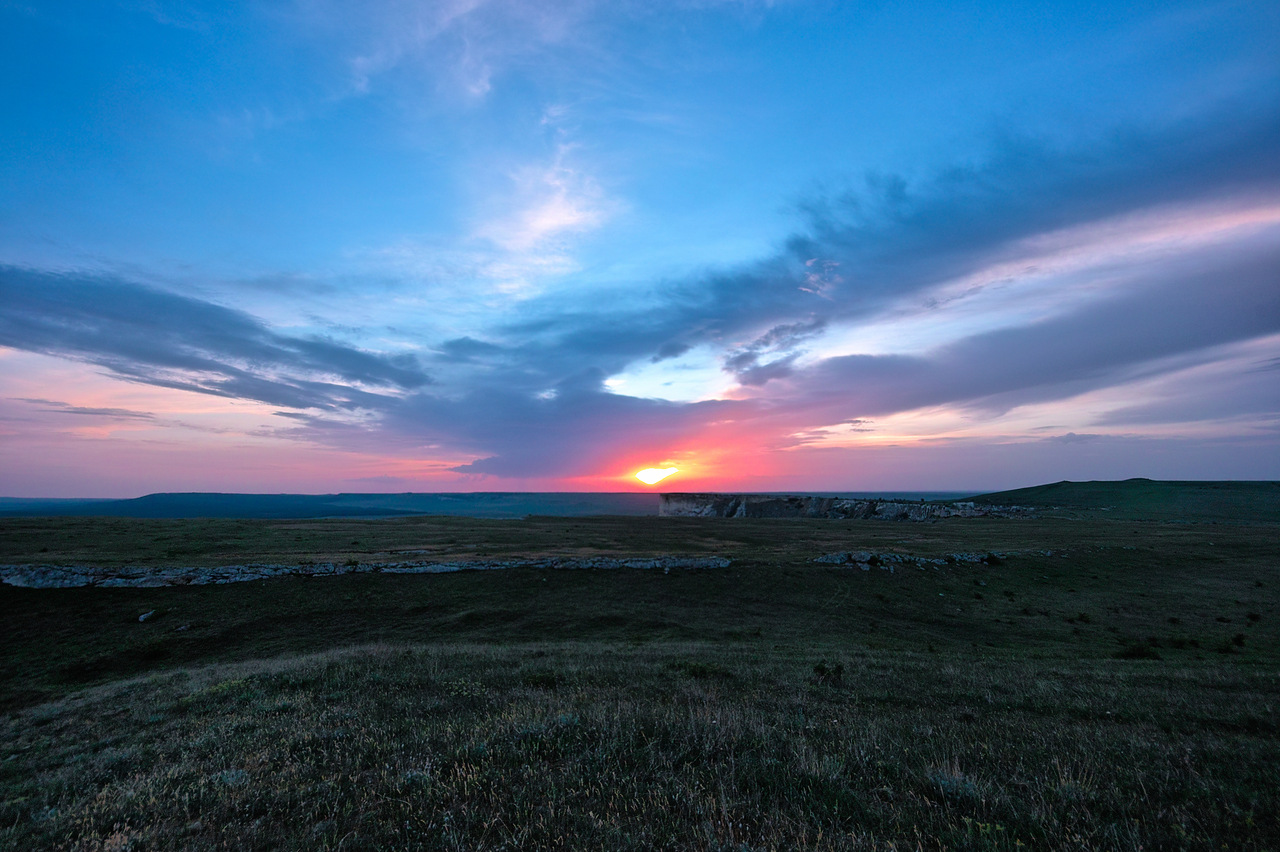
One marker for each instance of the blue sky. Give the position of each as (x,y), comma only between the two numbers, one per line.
(474,245)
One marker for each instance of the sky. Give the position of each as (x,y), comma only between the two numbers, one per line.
(486,245)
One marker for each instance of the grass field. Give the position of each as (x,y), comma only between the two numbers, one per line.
(1100,683)
(1149,499)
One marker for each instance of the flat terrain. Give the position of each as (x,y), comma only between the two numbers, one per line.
(1094,683)
(495,504)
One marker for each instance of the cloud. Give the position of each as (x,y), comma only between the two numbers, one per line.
(574,433)
(1188,304)
(550,202)
(533,403)
(670,349)
(54,406)
(526,397)
(1073,438)
(1234,386)
(893,241)
(461,45)
(148,335)
(1120,311)
(527,224)
(782,341)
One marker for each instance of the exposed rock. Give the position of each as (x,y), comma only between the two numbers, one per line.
(845,556)
(71,576)
(886,561)
(146,615)
(839,508)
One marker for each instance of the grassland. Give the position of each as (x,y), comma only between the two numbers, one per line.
(1108,684)
(1150,499)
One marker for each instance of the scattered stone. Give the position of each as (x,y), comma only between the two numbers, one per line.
(72,576)
(886,561)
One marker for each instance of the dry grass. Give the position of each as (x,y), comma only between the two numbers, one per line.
(1110,686)
(671,747)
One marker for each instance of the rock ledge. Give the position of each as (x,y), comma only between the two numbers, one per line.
(838,508)
(72,576)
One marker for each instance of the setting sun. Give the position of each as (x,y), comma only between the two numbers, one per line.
(653,475)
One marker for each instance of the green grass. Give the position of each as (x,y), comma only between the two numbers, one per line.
(1147,499)
(1107,684)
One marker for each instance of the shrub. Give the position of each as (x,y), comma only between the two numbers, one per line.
(1137,651)
(828,675)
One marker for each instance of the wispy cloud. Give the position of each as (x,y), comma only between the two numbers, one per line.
(458,46)
(548,203)
(51,405)
(1124,307)
(529,223)
(168,340)
(1085,306)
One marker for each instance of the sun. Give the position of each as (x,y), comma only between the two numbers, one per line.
(653,475)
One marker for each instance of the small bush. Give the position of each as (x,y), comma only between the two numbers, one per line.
(1139,651)
(541,679)
(828,675)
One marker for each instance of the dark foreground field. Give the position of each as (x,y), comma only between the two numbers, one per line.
(1094,684)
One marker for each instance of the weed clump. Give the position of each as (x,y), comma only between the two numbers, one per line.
(541,679)
(1138,651)
(699,670)
(825,675)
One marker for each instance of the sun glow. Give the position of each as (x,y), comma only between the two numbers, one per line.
(653,475)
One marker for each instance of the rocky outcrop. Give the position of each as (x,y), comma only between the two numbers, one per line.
(839,508)
(72,576)
(867,560)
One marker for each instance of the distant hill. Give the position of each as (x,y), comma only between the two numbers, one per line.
(278,506)
(1132,499)
(1148,499)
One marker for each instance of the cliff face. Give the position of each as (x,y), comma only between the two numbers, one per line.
(768,506)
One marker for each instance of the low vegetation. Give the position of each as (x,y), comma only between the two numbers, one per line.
(1151,499)
(1096,684)
(665,746)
